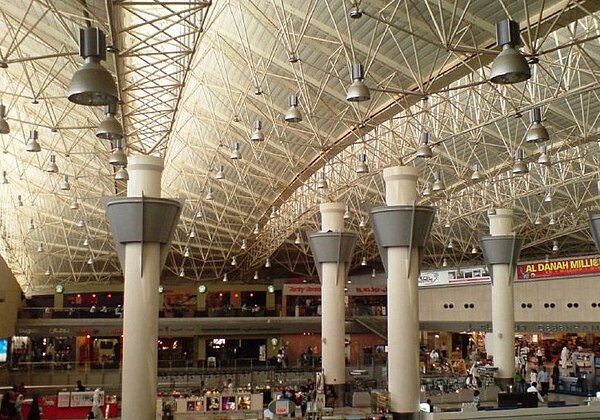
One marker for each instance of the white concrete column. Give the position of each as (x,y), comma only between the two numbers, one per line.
(333,279)
(403,305)
(503,311)
(140,309)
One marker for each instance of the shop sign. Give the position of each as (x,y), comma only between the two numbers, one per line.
(302,289)
(559,268)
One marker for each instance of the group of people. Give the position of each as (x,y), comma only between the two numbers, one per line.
(11,407)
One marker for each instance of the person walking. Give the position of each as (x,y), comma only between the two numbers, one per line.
(35,412)
(555,376)
(544,381)
(97,403)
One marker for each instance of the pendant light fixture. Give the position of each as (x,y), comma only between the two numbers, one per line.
(52,166)
(32,144)
(187,252)
(347,213)
(122,174)
(220,175)
(273,214)
(209,194)
(234,260)
(293,113)
(235,151)
(361,166)
(225,279)
(4,127)
(19,201)
(358,91)
(298,239)
(74,204)
(537,133)
(520,167)
(555,246)
(110,128)
(538,220)
(64,184)
(256,277)
(444,262)
(4,179)
(363,262)
(257,134)
(256,230)
(474,250)
(40,247)
(244,245)
(268,263)
(118,156)
(423,150)
(426,189)
(548,195)
(509,66)
(438,181)
(92,84)
(322,181)
(543,158)
(86,241)
(475,176)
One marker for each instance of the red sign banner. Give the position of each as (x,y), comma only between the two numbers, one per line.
(559,268)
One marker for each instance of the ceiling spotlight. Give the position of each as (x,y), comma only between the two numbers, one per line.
(118,156)
(537,132)
(235,151)
(122,174)
(445,262)
(4,179)
(293,114)
(509,66)
(438,181)
(268,263)
(234,260)
(426,189)
(110,128)
(32,144)
(244,244)
(74,204)
(257,134)
(92,84)
(358,91)
(347,213)
(225,279)
(192,233)
(220,174)
(209,194)
(19,201)
(187,252)
(363,262)
(182,272)
(322,181)
(30,225)
(475,176)
(256,229)
(543,158)
(273,214)
(256,277)
(474,249)
(4,127)
(64,184)
(555,246)
(538,220)
(519,167)
(424,151)
(361,166)
(52,166)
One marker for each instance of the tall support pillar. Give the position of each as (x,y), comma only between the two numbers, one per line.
(332,250)
(401,230)
(142,225)
(501,251)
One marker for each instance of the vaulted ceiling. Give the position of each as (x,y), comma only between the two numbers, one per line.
(194,77)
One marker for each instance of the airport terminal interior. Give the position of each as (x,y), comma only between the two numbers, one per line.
(330,209)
